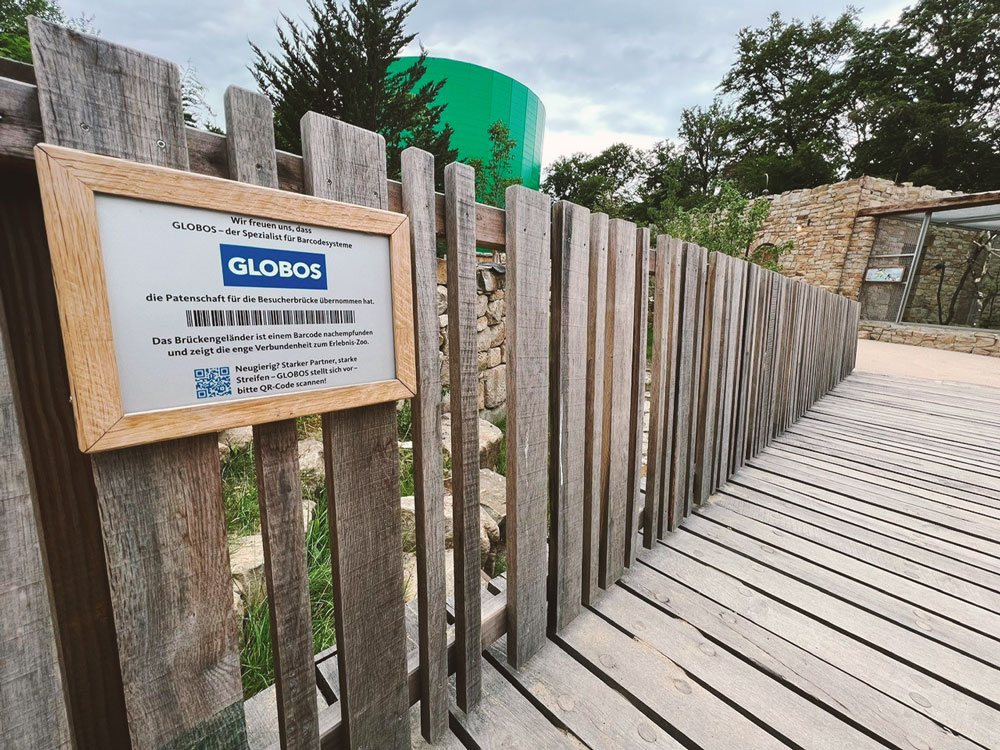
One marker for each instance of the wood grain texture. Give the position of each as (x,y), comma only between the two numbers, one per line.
(460,200)
(657,393)
(249,124)
(705,453)
(640,333)
(671,357)
(428,468)
(346,163)
(528,276)
(697,321)
(617,397)
(567,409)
(594,437)
(62,476)
(685,383)
(161,505)
(31,694)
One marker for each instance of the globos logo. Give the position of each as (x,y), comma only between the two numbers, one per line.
(263,267)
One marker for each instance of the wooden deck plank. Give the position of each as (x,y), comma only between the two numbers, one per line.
(911,645)
(591,709)
(910,560)
(793,717)
(844,693)
(504,719)
(664,688)
(919,691)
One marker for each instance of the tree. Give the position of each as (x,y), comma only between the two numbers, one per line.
(197,112)
(610,182)
(338,65)
(707,135)
(728,224)
(492,178)
(14,14)
(788,86)
(927,96)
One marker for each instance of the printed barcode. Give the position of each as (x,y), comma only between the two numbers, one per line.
(214,318)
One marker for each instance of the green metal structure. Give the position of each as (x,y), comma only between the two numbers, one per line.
(476,97)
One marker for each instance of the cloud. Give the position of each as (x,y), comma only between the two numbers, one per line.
(606,72)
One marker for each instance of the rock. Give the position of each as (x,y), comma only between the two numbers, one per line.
(495,311)
(494,357)
(481,324)
(489,529)
(490,438)
(495,386)
(499,334)
(481,305)
(442,271)
(484,340)
(311,465)
(236,439)
(481,400)
(487,280)
(410,575)
(442,299)
(493,498)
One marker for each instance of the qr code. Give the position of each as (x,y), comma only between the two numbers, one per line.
(210,382)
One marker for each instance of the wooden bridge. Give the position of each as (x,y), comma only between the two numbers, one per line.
(802,560)
(842,590)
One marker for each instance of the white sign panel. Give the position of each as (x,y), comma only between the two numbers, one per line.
(891,274)
(209,306)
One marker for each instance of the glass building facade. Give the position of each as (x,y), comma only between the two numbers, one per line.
(476,97)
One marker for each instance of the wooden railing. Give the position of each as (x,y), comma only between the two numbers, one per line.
(133,541)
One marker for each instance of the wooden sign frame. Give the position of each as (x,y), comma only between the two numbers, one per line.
(69,179)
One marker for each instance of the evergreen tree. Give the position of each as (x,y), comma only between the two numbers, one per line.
(14,25)
(338,65)
(492,178)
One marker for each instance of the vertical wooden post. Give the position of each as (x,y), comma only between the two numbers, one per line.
(657,393)
(594,438)
(161,505)
(567,409)
(346,163)
(640,319)
(671,406)
(528,274)
(250,143)
(460,219)
(31,695)
(617,397)
(428,474)
(705,450)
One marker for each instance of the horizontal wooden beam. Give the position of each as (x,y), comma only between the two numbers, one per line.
(936,204)
(21,129)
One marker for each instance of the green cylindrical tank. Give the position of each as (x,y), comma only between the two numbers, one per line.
(476,97)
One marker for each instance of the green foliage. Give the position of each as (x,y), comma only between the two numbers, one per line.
(337,64)
(492,177)
(14,25)
(239,491)
(502,455)
(727,223)
(610,182)
(927,96)
(789,91)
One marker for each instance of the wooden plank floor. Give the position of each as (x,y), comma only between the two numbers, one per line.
(842,591)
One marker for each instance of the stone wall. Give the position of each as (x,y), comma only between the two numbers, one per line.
(831,242)
(491,349)
(970,340)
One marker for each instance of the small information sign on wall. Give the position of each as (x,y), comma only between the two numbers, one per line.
(893,273)
(191,304)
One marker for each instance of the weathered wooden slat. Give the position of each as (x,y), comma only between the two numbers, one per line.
(685,385)
(346,163)
(21,129)
(600,717)
(528,275)
(657,395)
(640,319)
(161,505)
(711,372)
(671,406)
(249,124)
(617,397)
(567,409)
(428,467)
(460,198)
(796,718)
(594,438)
(842,692)
(697,321)
(31,694)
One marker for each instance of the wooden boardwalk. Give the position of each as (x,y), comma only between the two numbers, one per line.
(840,591)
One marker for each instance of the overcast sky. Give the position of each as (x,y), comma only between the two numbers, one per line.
(606,71)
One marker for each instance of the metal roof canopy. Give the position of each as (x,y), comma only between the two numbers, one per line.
(982,218)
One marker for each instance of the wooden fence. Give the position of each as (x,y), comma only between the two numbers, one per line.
(133,541)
